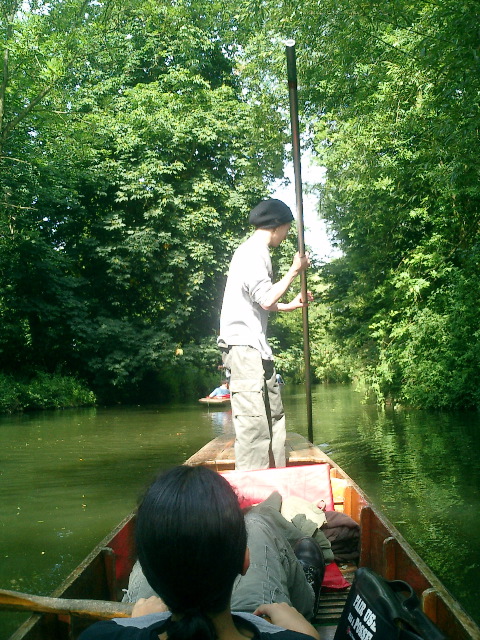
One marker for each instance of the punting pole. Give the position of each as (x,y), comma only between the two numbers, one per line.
(293,98)
(93,609)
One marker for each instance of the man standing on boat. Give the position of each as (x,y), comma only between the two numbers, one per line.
(250,294)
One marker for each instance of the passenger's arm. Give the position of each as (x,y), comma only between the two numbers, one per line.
(144,606)
(283,615)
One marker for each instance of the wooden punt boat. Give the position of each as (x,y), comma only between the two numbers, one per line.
(104,573)
(218,400)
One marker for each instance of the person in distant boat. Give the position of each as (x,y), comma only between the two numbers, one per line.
(191,539)
(250,294)
(221,392)
(279,379)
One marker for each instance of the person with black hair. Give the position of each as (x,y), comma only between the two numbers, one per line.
(250,294)
(191,542)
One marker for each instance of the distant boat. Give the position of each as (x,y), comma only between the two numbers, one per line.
(216,400)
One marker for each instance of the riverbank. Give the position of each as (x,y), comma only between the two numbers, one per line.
(43,391)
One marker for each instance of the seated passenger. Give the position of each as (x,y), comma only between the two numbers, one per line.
(191,539)
(220,391)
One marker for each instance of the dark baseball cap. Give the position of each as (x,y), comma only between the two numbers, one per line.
(269,214)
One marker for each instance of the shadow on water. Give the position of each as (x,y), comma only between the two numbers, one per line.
(68,477)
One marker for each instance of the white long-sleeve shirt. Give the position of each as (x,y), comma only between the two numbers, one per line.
(243,321)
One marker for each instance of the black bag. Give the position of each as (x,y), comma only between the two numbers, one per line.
(383,610)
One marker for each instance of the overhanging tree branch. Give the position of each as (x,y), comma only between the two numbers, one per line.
(6,55)
(5,129)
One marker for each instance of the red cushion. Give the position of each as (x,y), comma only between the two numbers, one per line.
(311,482)
(333,579)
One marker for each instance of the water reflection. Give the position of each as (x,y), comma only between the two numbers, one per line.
(222,424)
(68,477)
(422,469)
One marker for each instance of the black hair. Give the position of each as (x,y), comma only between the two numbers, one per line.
(191,542)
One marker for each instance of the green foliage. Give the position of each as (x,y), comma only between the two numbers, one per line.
(391,95)
(184,372)
(9,394)
(135,136)
(193,374)
(329,362)
(432,359)
(47,391)
(43,391)
(129,158)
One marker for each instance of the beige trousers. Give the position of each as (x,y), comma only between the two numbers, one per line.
(257,409)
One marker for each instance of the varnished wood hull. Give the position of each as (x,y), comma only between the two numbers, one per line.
(215,402)
(104,573)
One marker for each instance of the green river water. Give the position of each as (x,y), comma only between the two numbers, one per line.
(68,477)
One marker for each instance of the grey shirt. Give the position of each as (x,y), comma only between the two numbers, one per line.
(243,321)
